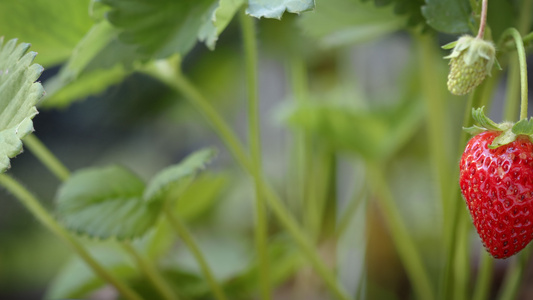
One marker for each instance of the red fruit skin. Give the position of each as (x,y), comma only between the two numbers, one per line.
(497,185)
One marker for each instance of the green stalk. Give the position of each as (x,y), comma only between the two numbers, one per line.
(38,211)
(301,148)
(511,91)
(151,272)
(514,276)
(483,20)
(327,207)
(181,85)
(303,242)
(438,141)
(511,86)
(523,70)
(46,157)
(169,74)
(352,207)
(187,238)
(254,137)
(526,38)
(403,241)
(461,263)
(484,277)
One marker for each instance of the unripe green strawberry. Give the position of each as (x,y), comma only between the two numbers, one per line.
(470,62)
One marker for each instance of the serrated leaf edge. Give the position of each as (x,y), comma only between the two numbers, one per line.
(152,195)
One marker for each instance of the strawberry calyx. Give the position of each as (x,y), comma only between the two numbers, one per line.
(509,131)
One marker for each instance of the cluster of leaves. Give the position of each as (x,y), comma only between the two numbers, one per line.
(111,202)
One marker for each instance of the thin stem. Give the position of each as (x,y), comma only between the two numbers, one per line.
(151,272)
(38,211)
(483,20)
(175,80)
(301,161)
(187,238)
(462,261)
(513,32)
(514,276)
(484,277)
(528,37)
(352,207)
(523,73)
(46,157)
(327,207)
(435,94)
(303,243)
(512,98)
(254,137)
(403,241)
(181,85)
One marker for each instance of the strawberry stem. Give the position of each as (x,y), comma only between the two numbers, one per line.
(513,32)
(483,20)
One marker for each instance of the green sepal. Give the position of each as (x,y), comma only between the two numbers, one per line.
(474,130)
(503,139)
(449,45)
(498,66)
(479,116)
(524,127)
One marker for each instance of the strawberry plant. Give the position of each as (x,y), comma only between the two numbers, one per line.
(253,149)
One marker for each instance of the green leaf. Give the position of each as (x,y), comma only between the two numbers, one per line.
(76,280)
(500,16)
(199,196)
(385,130)
(177,177)
(19,93)
(53,27)
(479,116)
(220,18)
(448,16)
(187,285)
(106,202)
(344,22)
(162,28)
(275,8)
(61,93)
(99,60)
(97,10)
(409,8)
(100,48)
(523,126)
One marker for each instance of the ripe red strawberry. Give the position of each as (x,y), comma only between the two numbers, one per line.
(497,185)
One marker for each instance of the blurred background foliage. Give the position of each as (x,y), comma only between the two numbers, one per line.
(365,104)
